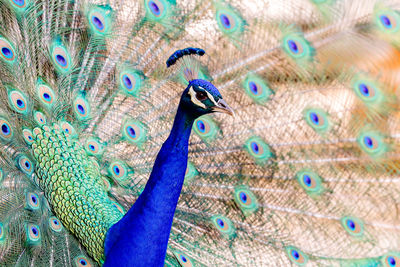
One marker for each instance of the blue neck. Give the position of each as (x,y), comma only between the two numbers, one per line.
(140,238)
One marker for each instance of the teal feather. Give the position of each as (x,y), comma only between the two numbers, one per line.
(8,52)
(60,56)
(191,173)
(387,21)
(100,20)
(229,21)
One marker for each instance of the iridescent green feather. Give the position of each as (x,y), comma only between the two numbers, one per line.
(234,209)
(81,108)
(32,201)
(390,259)
(25,164)
(161,11)
(55,224)
(68,128)
(131,81)
(353,226)
(120,171)
(325,7)
(206,128)
(100,19)
(229,20)
(18,101)
(191,173)
(297,47)
(259,150)
(372,143)
(7,131)
(2,175)
(8,53)
(367,262)
(371,93)
(45,94)
(94,147)
(60,56)
(69,165)
(183,259)
(296,256)
(387,22)
(134,131)
(39,118)
(257,89)
(317,119)
(33,234)
(318,2)
(224,225)
(27,135)
(310,182)
(18,6)
(245,199)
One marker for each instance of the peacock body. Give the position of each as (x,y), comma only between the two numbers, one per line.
(305,174)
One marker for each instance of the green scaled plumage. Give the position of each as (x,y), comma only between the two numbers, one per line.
(67,176)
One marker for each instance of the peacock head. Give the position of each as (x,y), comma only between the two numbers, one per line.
(202,97)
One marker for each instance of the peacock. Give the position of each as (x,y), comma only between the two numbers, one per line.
(117,148)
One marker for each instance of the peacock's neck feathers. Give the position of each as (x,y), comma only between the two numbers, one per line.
(181,129)
(141,236)
(72,184)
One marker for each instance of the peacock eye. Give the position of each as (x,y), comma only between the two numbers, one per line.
(201,95)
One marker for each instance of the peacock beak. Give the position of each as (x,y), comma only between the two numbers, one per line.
(222,106)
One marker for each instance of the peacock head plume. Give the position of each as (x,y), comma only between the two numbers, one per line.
(200,96)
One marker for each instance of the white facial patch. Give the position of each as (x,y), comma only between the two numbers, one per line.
(193,98)
(211,98)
